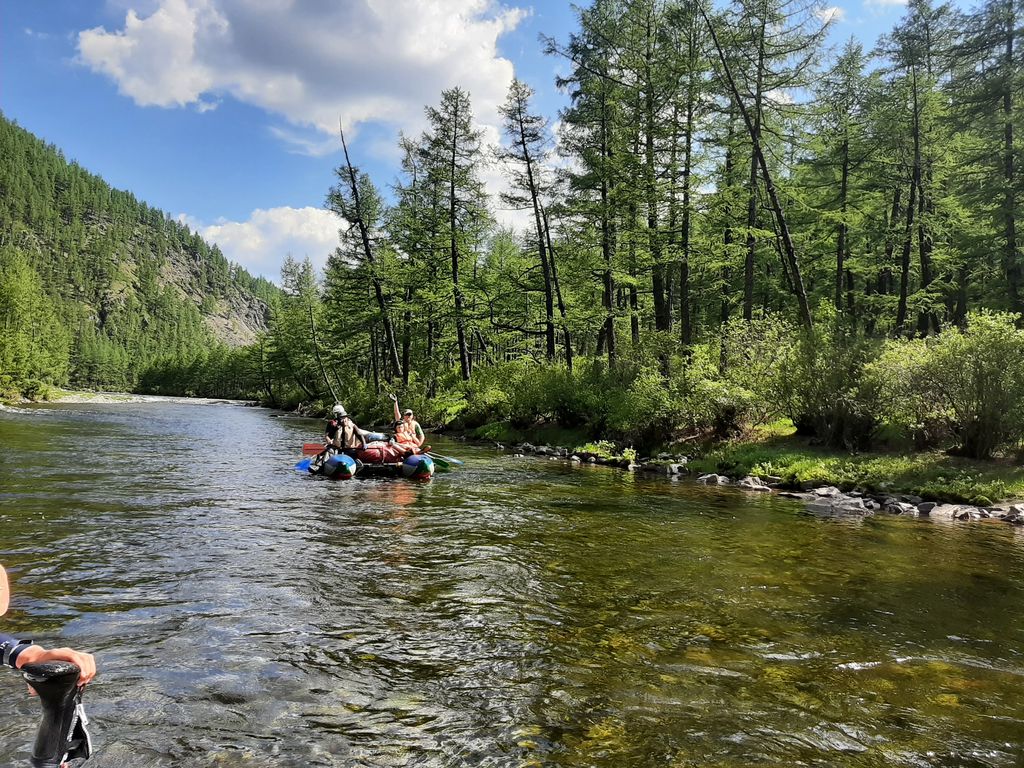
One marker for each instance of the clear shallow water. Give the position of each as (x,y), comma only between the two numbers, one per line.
(516,612)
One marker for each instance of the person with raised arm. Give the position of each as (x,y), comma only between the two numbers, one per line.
(408,432)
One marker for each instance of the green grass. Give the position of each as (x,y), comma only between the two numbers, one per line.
(931,475)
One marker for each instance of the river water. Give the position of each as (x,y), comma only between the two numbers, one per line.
(515,612)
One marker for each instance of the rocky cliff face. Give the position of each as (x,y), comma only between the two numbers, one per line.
(233,318)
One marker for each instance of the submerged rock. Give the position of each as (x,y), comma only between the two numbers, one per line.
(752,483)
(838,505)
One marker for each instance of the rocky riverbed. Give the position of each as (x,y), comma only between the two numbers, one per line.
(818,498)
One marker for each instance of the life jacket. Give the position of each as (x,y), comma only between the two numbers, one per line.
(406,434)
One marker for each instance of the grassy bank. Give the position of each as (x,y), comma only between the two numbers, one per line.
(933,475)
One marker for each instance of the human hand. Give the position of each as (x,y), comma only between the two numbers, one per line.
(393,396)
(85,662)
(5,591)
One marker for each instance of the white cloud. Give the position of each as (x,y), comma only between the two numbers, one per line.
(309,61)
(830,14)
(261,243)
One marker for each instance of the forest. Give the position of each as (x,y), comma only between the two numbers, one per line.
(729,224)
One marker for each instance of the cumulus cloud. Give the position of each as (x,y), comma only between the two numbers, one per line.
(830,14)
(260,243)
(309,61)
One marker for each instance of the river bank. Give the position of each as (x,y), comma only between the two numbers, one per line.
(783,461)
(842,486)
(83,396)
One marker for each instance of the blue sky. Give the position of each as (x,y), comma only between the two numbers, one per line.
(224,112)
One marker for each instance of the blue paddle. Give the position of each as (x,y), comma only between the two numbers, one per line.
(303,466)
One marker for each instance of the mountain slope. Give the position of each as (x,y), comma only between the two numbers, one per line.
(122,286)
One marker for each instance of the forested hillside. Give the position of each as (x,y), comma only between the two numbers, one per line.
(733,224)
(98,289)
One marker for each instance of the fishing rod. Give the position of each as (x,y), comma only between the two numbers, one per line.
(62,736)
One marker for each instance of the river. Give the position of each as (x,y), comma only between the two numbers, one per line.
(515,612)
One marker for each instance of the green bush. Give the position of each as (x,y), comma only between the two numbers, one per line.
(643,412)
(905,406)
(756,353)
(823,388)
(968,384)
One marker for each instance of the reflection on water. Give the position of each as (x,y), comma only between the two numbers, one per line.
(516,612)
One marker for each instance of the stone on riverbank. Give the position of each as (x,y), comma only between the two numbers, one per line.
(751,483)
(713,479)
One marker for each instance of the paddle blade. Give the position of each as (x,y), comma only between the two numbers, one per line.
(312,449)
(303,466)
(441,463)
(449,459)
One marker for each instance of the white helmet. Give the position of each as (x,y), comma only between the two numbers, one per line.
(339,410)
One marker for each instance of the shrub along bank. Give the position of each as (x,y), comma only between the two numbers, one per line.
(941,417)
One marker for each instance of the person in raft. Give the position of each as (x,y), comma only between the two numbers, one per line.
(408,432)
(342,433)
(17,653)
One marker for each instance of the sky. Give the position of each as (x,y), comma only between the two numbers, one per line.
(224,113)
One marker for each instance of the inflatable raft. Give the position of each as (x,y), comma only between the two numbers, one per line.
(377,459)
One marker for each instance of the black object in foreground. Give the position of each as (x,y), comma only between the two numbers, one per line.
(62,735)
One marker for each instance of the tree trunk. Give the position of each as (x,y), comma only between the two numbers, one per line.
(780,216)
(908,236)
(634,297)
(407,337)
(755,139)
(566,336)
(460,326)
(841,244)
(1012,258)
(662,315)
(378,288)
(685,315)
(607,236)
(885,272)
(542,243)
(373,360)
(723,307)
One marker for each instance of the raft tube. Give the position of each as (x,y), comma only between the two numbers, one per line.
(418,467)
(340,467)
